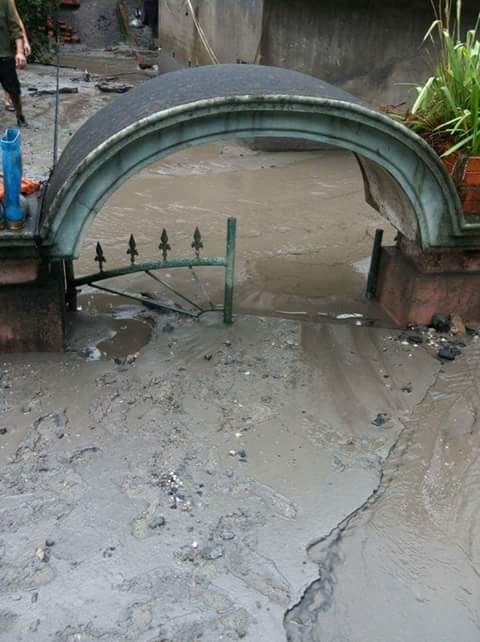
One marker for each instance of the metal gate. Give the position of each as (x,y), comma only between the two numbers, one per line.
(150,267)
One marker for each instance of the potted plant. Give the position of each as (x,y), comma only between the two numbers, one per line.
(446,112)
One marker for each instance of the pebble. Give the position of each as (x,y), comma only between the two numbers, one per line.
(380,419)
(449,353)
(3,431)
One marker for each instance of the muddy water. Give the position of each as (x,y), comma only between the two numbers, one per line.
(304,231)
(406,565)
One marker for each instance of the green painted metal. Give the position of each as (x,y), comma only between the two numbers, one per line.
(430,201)
(149,267)
(230,270)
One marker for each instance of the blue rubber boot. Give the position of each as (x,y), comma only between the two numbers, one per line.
(12,179)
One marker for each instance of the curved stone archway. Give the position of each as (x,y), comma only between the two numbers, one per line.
(404,178)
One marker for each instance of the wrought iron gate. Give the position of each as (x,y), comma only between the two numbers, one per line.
(149,267)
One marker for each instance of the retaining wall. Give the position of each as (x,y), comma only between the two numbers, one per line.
(368,47)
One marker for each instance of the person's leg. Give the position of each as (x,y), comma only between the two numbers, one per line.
(17,103)
(11,85)
(7,101)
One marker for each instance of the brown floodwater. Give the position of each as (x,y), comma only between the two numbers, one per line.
(304,231)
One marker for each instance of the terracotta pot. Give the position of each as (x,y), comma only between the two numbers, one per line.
(465,171)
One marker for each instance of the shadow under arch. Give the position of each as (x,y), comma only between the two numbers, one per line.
(404,178)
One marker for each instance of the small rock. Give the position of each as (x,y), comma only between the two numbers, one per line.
(449,353)
(415,339)
(3,431)
(380,419)
(213,552)
(43,554)
(49,542)
(457,325)
(407,389)
(440,322)
(168,327)
(227,535)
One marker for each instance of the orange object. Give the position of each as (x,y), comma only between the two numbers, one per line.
(28,187)
(465,171)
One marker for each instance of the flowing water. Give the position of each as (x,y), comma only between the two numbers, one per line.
(304,231)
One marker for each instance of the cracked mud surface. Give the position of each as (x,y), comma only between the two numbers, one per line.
(182,498)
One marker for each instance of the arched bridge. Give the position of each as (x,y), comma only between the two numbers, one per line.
(404,178)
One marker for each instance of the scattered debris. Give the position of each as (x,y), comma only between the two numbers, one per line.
(380,420)
(449,353)
(457,324)
(43,554)
(113,88)
(441,323)
(241,454)
(353,315)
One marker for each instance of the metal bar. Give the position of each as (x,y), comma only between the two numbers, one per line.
(179,294)
(374,265)
(219,261)
(202,288)
(71,293)
(144,300)
(230,271)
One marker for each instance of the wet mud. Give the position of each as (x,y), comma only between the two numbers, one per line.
(306,474)
(405,565)
(173,496)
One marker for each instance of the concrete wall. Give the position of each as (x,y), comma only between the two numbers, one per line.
(233,29)
(368,47)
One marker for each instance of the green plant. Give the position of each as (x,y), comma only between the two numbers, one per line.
(36,15)
(448,104)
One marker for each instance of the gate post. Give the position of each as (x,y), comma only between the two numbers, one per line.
(32,305)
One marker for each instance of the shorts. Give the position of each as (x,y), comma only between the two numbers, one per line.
(8,76)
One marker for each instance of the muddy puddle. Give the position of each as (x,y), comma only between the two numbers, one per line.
(108,327)
(304,231)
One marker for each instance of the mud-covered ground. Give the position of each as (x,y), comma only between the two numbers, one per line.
(198,491)
(174,480)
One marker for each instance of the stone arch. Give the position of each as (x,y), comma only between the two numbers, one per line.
(404,178)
